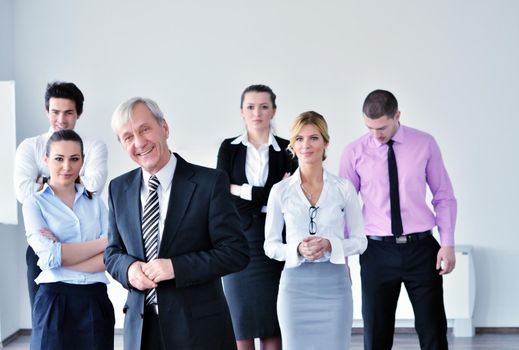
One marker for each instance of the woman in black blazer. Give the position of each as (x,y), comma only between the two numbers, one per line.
(255,161)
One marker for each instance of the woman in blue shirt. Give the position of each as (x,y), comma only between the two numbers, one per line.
(66,226)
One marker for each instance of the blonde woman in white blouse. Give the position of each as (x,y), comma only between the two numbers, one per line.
(323,226)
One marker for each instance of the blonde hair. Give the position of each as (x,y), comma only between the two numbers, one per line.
(308,118)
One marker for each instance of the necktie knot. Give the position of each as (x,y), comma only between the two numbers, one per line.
(390,143)
(153,183)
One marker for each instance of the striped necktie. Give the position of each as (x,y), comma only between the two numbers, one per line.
(150,230)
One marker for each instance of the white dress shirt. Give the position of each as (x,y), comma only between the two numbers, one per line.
(338,206)
(29,165)
(256,164)
(165,176)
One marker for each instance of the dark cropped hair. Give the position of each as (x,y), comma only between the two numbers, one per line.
(66,135)
(70,91)
(380,103)
(259,88)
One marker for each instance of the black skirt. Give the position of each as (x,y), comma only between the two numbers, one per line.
(72,316)
(252,292)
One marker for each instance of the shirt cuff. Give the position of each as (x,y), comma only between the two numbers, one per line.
(50,257)
(246,192)
(293,259)
(447,239)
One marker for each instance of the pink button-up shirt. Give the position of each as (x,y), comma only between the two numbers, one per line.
(419,162)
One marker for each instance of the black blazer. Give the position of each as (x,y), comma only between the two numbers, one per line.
(202,237)
(231,159)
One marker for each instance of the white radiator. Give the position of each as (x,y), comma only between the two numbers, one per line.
(459,290)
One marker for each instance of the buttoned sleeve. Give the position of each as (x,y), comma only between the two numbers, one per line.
(116,258)
(444,202)
(224,163)
(95,170)
(103,217)
(48,252)
(274,246)
(355,242)
(347,167)
(25,171)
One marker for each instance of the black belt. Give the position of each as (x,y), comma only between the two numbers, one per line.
(411,237)
(152,308)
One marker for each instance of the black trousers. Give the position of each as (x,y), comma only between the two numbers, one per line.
(33,270)
(384,267)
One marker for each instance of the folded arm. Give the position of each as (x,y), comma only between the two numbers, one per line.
(76,253)
(91,265)
(26,178)
(95,169)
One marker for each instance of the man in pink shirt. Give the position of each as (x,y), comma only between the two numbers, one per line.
(390,167)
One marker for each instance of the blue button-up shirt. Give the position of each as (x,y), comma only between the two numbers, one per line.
(87,221)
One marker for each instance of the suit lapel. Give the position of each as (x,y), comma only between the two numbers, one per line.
(182,190)
(132,197)
(241,157)
(275,166)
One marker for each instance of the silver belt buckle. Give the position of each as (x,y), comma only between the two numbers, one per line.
(401,239)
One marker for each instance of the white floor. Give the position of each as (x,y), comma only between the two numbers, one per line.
(402,342)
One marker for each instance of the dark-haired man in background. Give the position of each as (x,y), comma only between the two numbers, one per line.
(390,167)
(64,105)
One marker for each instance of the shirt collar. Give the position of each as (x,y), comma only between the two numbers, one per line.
(296,177)
(398,137)
(80,190)
(244,139)
(165,175)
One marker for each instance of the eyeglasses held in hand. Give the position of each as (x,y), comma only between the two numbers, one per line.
(312,212)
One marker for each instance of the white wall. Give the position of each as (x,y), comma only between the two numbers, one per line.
(452,65)
(12,257)
(6,40)
(8,207)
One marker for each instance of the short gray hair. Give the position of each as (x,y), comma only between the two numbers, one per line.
(123,112)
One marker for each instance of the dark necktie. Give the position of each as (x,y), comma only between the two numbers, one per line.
(396,218)
(150,230)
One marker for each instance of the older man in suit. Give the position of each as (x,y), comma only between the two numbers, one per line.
(173,232)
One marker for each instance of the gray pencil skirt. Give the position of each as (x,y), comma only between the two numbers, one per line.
(315,308)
